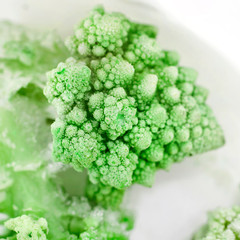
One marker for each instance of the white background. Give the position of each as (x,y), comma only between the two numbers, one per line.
(215,21)
(206,34)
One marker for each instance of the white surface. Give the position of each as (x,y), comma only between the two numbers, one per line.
(178,202)
(214,21)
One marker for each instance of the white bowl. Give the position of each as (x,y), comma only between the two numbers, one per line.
(177,204)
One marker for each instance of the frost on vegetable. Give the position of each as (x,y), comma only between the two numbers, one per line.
(25,56)
(125,106)
(99,33)
(24,134)
(114,168)
(223,223)
(46,212)
(111,71)
(27,228)
(33,204)
(36,208)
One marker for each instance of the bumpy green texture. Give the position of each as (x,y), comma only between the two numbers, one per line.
(106,196)
(28,192)
(33,205)
(222,224)
(27,228)
(125,106)
(98,33)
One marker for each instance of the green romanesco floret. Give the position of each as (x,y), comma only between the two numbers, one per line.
(143,52)
(111,71)
(114,168)
(139,137)
(144,173)
(115,112)
(34,205)
(155,152)
(103,195)
(79,145)
(27,228)
(67,85)
(144,89)
(223,223)
(147,29)
(167,76)
(99,33)
(171,58)
(140,112)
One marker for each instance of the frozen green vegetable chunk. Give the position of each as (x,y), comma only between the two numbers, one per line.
(111,71)
(79,145)
(105,196)
(115,112)
(223,223)
(32,202)
(99,33)
(114,168)
(45,212)
(48,213)
(143,51)
(136,110)
(25,133)
(67,85)
(25,56)
(28,228)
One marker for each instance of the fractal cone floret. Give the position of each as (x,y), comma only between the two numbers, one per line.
(126,108)
(223,223)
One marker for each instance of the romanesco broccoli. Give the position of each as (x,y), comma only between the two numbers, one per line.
(36,206)
(125,106)
(28,228)
(223,223)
